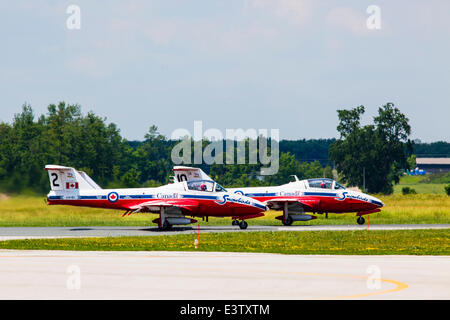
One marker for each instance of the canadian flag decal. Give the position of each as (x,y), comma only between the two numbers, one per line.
(71,185)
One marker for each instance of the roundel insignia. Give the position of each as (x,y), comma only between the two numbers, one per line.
(239,192)
(113,197)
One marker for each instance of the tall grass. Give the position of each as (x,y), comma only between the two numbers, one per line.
(415,208)
(33,211)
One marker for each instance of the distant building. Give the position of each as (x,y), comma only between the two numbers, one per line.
(433,165)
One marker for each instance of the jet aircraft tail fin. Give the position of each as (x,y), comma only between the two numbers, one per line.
(69,179)
(183,173)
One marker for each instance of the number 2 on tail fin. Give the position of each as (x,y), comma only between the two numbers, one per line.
(55,181)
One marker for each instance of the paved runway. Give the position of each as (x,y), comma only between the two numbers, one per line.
(10,233)
(210,276)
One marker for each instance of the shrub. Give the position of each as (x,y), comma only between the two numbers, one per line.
(408,190)
(447,189)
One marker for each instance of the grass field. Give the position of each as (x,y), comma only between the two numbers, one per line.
(430,205)
(403,242)
(429,184)
(27,211)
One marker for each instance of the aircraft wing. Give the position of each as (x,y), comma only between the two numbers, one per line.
(172,205)
(278,204)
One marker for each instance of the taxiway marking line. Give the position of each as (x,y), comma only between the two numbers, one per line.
(399,285)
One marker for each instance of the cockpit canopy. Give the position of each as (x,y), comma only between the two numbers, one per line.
(204,185)
(324,183)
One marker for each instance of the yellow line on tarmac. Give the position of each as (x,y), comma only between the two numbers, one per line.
(399,285)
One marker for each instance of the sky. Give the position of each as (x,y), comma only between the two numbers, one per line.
(250,64)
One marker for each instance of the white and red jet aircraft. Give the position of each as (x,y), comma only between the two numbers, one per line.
(193,194)
(312,195)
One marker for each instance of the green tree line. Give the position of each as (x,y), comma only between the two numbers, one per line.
(372,156)
(65,136)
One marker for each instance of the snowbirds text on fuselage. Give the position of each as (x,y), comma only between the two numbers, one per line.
(319,195)
(198,197)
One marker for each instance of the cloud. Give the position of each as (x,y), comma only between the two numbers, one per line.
(296,12)
(427,19)
(86,65)
(243,38)
(348,19)
(162,33)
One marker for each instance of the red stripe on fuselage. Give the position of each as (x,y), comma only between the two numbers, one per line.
(327,204)
(205,207)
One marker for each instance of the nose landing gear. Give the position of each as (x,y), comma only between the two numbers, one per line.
(243,225)
(360,220)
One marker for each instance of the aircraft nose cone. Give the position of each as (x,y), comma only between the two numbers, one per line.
(258,204)
(378,202)
(252,203)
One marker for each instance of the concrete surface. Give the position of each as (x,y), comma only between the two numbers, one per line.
(210,276)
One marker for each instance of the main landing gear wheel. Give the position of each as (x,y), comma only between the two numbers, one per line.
(243,225)
(360,220)
(288,221)
(235,223)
